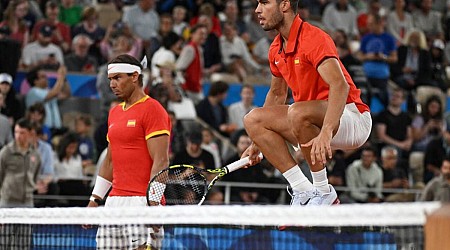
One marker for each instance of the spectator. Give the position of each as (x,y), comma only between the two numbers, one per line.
(238,110)
(40,92)
(394,176)
(120,40)
(374,8)
(363,174)
(428,124)
(177,135)
(235,54)
(378,50)
(212,56)
(438,65)
(42,52)
(179,14)
(166,54)
(61,32)
(254,174)
(190,63)
(70,12)
(208,10)
(212,111)
(143,21)
(14,20)
(340,15)
(12,107)
(435,153)
(413,67)
(193,154)
(428,20)
(5,126)
(393,126)
(399,21)
(209,144)
(261,49)
(11,51)
(36,114)
(19,166)
(165,28)
(45,184)
(438,189)
(89,26)
(231,16)
(79,59)
(69,169)
(83,127)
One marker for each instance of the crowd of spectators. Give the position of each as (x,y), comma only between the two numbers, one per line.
(396,51)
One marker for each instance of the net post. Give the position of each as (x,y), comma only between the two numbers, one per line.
(437,229)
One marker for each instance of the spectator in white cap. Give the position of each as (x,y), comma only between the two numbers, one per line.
(12,107)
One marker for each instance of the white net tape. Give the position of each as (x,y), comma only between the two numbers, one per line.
(342,215)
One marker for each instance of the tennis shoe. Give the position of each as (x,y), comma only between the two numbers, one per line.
(324,199)
(303,198)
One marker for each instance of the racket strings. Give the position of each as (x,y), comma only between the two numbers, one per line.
(184,186)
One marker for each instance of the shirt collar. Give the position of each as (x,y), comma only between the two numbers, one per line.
(294,32)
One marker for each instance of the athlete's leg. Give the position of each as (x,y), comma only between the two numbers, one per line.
(269,128)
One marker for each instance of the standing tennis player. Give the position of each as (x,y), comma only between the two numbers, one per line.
(138,136)
(327,114)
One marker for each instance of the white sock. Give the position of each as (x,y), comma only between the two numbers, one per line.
(320,180)
(297,179)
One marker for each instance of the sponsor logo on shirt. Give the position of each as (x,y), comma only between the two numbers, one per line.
(131,123)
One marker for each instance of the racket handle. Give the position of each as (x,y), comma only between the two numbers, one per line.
(240,163)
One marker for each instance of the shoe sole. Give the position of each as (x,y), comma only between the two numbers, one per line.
(282,228)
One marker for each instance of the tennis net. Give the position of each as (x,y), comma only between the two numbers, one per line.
(355,226)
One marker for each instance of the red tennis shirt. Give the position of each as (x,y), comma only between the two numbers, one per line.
(306,48)
(128,132)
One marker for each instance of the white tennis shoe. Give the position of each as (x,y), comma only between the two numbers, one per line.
(324,199)
(302,198)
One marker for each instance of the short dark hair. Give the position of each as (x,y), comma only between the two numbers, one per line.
(125,58)
(170,39)
(24,123)
(32,75)
(294,4)
(218,88)
(197,26)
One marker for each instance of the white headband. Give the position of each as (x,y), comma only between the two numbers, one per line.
(123,68)
(126,67)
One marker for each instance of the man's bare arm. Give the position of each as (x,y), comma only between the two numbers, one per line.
(277,93)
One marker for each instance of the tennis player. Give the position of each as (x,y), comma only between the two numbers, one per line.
(138,136)
(327,113)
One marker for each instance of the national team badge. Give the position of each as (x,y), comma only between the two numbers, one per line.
(297,60)
(131,123)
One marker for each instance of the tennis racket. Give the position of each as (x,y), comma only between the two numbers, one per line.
(185,184)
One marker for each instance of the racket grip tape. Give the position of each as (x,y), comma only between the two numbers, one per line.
(240,163)
(156,191)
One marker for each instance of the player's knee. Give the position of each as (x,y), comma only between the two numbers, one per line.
(252,118)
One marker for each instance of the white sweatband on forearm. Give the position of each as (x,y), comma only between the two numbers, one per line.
(101,187)
(156,191)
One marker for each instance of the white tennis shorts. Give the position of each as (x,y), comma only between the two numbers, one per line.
(354,129)
(127,236)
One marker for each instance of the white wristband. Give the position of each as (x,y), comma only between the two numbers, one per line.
(156,191)
(101,187)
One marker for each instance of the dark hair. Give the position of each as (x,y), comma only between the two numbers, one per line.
(426,115)
(124,58)
(170,39)
(36,126)
(370,149)
(37,107)
(85,118)
(196,27)
(218,88)
(32,75)
(246,85)
(294,4)
(66,140)
(24,123)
